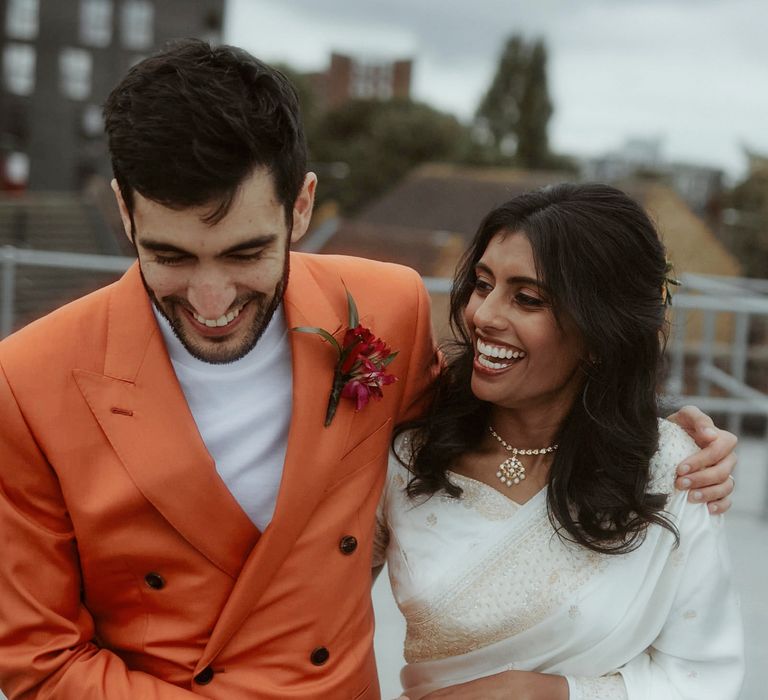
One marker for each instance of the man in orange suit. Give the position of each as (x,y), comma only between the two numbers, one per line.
(180,516)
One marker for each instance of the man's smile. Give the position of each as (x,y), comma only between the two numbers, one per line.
(221,321)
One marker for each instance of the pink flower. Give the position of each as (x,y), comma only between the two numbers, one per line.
(366,386)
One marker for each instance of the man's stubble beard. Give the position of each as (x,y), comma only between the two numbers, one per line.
(265,312)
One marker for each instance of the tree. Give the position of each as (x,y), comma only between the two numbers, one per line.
(517,108)
(747,219)
(379,142)
(303,85)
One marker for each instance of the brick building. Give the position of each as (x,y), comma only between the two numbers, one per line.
(350,77)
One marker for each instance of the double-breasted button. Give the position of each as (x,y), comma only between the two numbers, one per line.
(319,656)
(154,580)
(205,676)
(348,544)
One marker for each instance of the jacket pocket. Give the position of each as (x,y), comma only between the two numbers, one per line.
(368,451)
(367,694)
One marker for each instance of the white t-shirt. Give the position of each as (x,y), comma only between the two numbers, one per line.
(243,412)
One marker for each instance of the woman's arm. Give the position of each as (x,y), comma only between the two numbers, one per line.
(517,685)
(699,652)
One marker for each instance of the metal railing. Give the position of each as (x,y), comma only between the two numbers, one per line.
(728,310)
(708,368)
(718,324)
(11,258)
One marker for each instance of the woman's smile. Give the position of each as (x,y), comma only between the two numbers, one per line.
(493,358)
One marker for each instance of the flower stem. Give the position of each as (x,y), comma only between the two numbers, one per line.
(333,399)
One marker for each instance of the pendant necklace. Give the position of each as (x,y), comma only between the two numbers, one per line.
(512,470)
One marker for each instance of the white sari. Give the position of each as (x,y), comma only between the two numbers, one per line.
(486,586)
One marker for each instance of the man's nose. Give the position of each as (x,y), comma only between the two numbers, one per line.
(211,293)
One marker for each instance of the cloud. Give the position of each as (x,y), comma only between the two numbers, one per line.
(692,71)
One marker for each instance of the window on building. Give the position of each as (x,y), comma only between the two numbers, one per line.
(22,18)
(93,123)
(96,22)
(16,170)
(136,24)
(19,68)
(371,81)
(75,67)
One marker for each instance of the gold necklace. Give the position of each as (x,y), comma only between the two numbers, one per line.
(512,470)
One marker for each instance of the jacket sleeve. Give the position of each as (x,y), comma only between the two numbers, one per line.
(424,362)
(47,647)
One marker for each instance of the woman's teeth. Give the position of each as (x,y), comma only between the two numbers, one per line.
(221,321)
(481,360)
(486,351)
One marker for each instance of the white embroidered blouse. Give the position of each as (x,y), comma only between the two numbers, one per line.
(485,586)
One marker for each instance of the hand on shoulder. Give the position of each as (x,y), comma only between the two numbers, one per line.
(706,473)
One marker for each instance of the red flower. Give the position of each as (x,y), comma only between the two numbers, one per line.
(364,357)
(360,372)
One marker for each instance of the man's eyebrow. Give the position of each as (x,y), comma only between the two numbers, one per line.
(161,247)
(250,244)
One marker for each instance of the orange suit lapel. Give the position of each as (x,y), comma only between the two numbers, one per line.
(313,450)
(139,405)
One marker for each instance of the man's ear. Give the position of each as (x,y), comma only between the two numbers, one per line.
(302,207)
(124,215)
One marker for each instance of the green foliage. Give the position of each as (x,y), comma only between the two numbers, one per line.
(517,108)
(379,142)
(364,147)
(746,236)
(303,85)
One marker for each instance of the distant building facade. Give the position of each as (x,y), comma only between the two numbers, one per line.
(700,186)
(349,77)
(60,59)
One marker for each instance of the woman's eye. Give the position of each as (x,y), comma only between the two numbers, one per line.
(482,286)
(528,300)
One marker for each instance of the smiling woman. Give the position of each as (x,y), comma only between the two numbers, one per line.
(535,542)
(510,316)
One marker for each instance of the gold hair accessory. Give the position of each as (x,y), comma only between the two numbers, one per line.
(669,279)
(512,470)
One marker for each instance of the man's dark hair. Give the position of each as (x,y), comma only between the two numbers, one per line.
(189,124)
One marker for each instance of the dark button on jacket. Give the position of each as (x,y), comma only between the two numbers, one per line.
(154,580)
(205,676)
(348,544)
(319,656)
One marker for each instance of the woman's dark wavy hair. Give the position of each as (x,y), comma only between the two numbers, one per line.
(601,261)
(188,125)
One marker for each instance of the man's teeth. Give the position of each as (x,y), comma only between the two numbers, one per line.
(499,352)
(221,321)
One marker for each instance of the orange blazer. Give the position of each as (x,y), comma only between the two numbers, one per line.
(127,569)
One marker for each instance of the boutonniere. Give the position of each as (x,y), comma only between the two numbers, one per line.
(360,371)
(669,281)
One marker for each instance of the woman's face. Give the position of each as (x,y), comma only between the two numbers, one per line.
(523,358)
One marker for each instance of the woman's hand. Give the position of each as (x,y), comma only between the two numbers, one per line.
(708,472)
(510,685)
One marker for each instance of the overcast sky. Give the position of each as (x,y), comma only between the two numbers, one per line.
(691,72)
